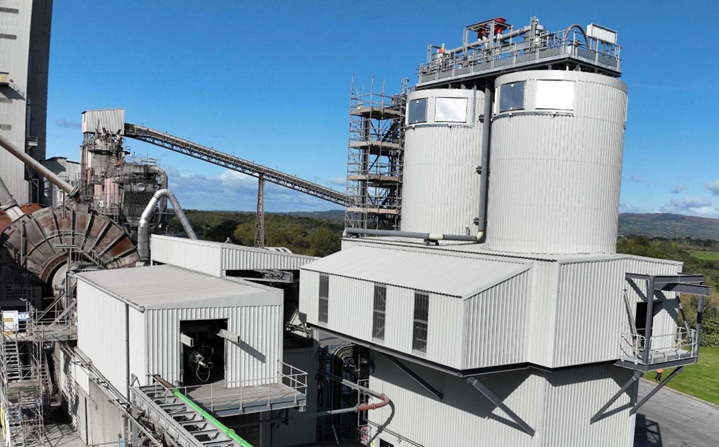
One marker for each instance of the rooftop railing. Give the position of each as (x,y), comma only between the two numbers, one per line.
(682,344)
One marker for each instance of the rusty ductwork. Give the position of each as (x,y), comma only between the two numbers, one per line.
(40,242)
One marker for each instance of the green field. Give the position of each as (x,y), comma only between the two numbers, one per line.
(706,255)
(700,380)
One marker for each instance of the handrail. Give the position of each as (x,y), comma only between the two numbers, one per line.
(225,393)
(683,343)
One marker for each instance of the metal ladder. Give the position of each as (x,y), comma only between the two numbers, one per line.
(11,361)
(187,427)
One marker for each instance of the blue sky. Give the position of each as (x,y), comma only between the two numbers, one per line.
(269,81)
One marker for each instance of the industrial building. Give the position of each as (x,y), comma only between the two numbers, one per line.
(24,62)
(478,295)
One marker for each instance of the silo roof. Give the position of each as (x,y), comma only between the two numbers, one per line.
(459,276)
(167,286)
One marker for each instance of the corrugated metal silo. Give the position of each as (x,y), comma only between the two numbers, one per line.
(556,162)
(442,153)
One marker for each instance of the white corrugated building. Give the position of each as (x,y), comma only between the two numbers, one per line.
(221,259)
(149,304)
(537,336)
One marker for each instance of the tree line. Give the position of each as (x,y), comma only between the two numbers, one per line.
(301,234)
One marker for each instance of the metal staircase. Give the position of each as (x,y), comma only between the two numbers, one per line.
(23,391)
(178,420)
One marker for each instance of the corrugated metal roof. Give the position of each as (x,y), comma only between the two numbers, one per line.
(436,273)
(168,286)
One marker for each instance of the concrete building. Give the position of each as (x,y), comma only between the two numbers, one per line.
(24,62)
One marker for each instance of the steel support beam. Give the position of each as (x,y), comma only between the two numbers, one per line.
(649,321)
(260,219)
(686,288)
(656,389)
(231,336)
(614,398)
(415,377)
(187,340)
(489,395)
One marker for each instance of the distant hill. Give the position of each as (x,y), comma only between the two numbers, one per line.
(668,226)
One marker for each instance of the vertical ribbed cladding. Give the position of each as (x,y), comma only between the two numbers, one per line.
(440,181)
(556,170)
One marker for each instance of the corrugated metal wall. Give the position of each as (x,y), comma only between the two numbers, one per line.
(110,119)
(246,258)
(546,164)
(260,328)
(216,258)
(351,310)
(464,417)
(496,322)
(101,332)
(138,344)
(198,256)
(440,183)
(301,429)
(557,405)
(575,395)
(591,313)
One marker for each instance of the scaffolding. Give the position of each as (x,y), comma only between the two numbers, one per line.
(25,382)
(375,158)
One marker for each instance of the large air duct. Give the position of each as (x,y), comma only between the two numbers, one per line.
(143,231)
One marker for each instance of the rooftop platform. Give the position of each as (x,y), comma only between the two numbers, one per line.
(380,113)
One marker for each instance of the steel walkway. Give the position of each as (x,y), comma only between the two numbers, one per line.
(187,427)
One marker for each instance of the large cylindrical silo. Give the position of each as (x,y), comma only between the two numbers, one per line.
(556,162)
(440,191)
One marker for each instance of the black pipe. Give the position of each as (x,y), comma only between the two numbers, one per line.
(484,180)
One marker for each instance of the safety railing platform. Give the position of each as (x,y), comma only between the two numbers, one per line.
(666,350)
(287,389)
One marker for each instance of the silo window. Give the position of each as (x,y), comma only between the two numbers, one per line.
(450,110)
(421,317)
(378,318)
(417,111)
(555,95)
(324,298)
(511,97)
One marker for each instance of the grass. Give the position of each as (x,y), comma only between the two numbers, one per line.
(706,255)
(700,380)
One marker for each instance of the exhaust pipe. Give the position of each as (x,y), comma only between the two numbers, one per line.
(143,231)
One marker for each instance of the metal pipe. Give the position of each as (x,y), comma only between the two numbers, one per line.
(8,203)
(432,237)
(484,179)
(143,230)
(163,185)
(220,426)
(39,168)
(363,407)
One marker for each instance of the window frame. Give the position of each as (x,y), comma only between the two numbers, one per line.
(420,324)
(502,94)
(409,111)
(323,293)
(436,105)
(379,315)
